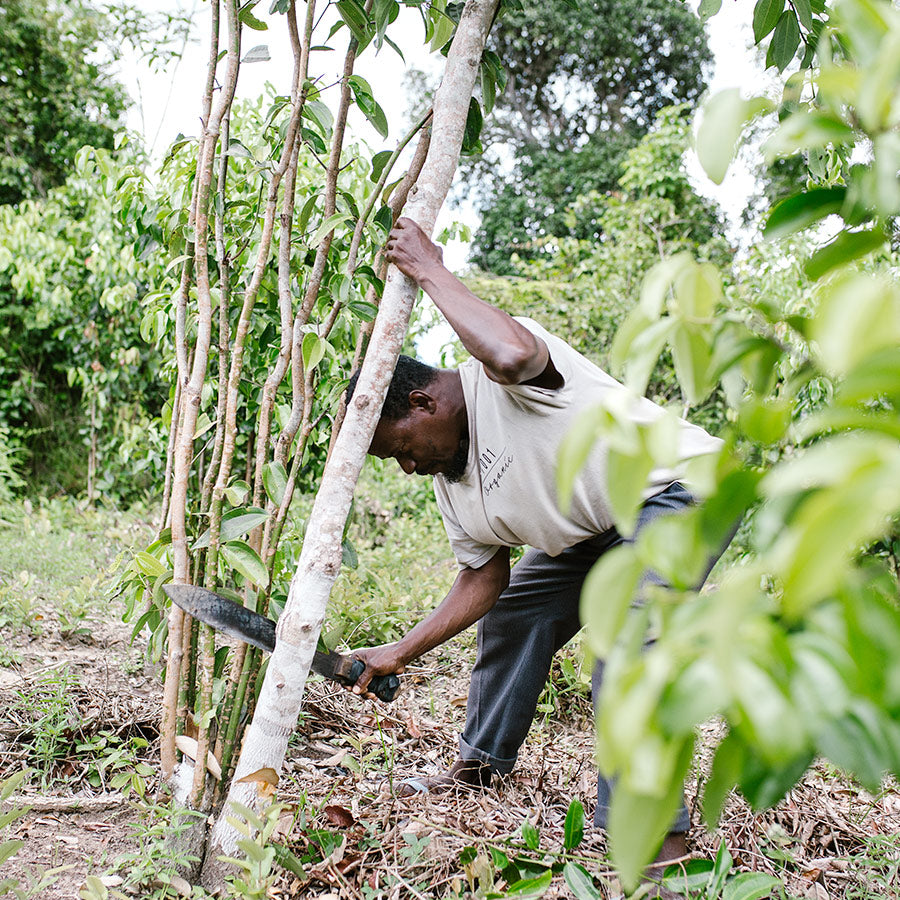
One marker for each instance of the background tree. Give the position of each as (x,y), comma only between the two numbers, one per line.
(57,91)
(584,82)
(582,289)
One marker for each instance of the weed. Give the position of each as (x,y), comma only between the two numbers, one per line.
(113,763)
(52,720)
(705,879)
(257,865)
(9,657)
(17,609)
(36,882)
(879,866)
(152,870)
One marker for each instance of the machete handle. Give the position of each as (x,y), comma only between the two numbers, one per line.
(384,687)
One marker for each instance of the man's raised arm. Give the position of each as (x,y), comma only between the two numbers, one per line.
(510,353)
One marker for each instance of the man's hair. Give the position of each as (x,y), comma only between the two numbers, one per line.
(409,375)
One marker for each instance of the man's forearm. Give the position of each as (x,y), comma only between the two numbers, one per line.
(473,594)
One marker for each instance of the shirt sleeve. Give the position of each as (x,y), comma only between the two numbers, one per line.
(469,553)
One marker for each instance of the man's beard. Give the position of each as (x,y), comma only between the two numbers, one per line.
(457,466)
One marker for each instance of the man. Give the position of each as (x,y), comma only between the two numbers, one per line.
(489,434)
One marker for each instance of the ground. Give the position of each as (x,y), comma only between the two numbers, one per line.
(79,706)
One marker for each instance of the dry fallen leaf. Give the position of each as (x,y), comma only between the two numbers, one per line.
(265,779)
(188,746)
(339,816)
(412,728)
(267,775)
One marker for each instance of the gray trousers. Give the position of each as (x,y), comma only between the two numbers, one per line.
(533,618)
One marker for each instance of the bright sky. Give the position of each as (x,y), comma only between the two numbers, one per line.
(168,103)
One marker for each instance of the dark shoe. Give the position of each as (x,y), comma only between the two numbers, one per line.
(464,773)
(673,851)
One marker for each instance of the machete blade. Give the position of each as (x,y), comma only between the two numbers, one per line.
(224,615)
(237,621)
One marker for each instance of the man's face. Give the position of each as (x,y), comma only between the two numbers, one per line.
(422,443)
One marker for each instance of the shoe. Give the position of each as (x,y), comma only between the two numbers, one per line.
(464,773)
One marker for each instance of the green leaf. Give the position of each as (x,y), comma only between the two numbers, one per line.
(580,882)
(627,474)
(708,8)
(241,556)
(472,135)
(639,822)
(9,849)
(362,93)
(236,492)
(357,21)
(531,836)
(765,420)
(8,786)
(750,886)
(313,350)
(574,450)
(801,210)
(384,12)
(440,26)
(379,161)
(785,41)
(858,318)
(329,225)
(644,352)
(692,357)
(235,522)
(724,116)
(531,887)
(607,595)
(766,14)
(846,247)
(803,8)
(688,878)
(275,481)
(246,16)
(574,828)
(806,131)
(148,564)
(319,113)
(724,774)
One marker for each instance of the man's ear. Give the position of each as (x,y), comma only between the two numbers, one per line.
(423,402)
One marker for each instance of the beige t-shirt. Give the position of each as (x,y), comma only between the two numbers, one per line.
(507,496)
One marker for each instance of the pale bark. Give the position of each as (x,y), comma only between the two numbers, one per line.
(266,739)
(192,387)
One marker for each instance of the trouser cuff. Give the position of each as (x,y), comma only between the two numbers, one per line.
(498,766)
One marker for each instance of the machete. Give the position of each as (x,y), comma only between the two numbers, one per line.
(233,619)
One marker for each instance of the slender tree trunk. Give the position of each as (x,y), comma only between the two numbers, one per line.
(266,739)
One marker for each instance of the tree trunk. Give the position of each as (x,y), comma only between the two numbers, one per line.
(266,739)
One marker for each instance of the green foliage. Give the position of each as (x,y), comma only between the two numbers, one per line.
(37,882)
(583,290)
(526,867)
(76,379)
(57,92)
(707,879)
(797,648)
(52,720)
(258,859)
(583,82)
(162,852)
